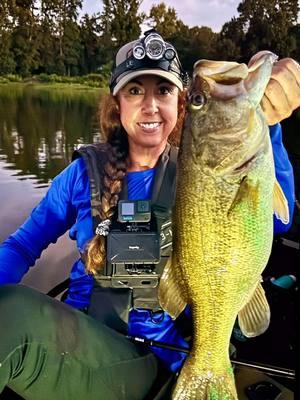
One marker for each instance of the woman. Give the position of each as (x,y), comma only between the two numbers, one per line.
(51,350)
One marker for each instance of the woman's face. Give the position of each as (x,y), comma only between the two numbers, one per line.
(148,110)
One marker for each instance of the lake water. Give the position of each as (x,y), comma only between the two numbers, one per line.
(39,129)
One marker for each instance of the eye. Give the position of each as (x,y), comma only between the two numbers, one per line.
(135,90)
(166,89)
(197,100)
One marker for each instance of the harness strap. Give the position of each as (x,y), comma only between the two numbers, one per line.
(95,157)
(163,196)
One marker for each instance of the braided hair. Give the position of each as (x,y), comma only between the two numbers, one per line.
(115,170)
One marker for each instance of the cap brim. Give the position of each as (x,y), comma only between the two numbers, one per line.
(169,76)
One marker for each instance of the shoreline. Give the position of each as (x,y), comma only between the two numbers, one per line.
(54,85)
(90,81)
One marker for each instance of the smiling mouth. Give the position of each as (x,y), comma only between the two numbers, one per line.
(149,125)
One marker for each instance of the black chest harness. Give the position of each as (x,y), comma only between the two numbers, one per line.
(123,286)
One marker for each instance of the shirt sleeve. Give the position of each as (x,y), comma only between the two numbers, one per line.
(284,175)
(50,219)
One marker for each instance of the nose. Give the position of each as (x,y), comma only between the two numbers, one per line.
(149,106)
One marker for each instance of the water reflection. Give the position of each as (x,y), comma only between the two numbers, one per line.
(40,128)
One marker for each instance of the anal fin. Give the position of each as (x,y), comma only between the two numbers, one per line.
(254,317)
(171,294)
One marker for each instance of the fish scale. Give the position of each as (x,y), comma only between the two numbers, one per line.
(223,227)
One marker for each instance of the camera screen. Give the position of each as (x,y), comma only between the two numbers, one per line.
(127,208)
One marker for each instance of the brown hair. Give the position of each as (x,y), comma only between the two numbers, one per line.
(115,170)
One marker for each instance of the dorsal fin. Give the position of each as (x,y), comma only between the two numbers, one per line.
(260,69)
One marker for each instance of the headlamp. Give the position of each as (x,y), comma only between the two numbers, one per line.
(154,47)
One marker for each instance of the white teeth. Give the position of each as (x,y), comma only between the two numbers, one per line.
(149,125)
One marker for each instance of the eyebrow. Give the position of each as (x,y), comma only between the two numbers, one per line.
(164,80)
(160,81)
(135,81)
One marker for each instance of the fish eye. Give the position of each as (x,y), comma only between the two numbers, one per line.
(197,100)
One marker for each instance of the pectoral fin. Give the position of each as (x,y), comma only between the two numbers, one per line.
(171,293)
(254,317)
(247,192)
(280,204)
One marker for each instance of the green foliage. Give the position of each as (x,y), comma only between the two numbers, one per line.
(164,19)
(92,80)
(91,55)
(294,33)
(24,37)
(10,78)
(262,24)
(190,43)
(121,21)
(49,78)
(13,78)
(46,38)
(7,63)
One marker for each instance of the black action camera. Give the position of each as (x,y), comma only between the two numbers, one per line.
(134,237)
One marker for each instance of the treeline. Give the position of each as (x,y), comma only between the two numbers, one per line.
(47,36)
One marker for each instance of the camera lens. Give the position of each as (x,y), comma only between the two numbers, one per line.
(143,206)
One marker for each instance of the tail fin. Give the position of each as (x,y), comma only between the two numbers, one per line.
(191,386)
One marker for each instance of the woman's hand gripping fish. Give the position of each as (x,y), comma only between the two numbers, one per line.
(223,220)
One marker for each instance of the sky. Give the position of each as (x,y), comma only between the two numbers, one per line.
(212,13)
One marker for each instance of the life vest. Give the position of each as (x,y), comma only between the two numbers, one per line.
(111,299)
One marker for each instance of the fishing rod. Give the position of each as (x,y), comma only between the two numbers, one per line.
(282,372)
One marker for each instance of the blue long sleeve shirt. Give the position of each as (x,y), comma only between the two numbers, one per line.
(66,206)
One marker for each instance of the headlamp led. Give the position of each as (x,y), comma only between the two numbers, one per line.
(170,54)
(138,52)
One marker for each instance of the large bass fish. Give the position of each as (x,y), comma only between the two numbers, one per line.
(223,220)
